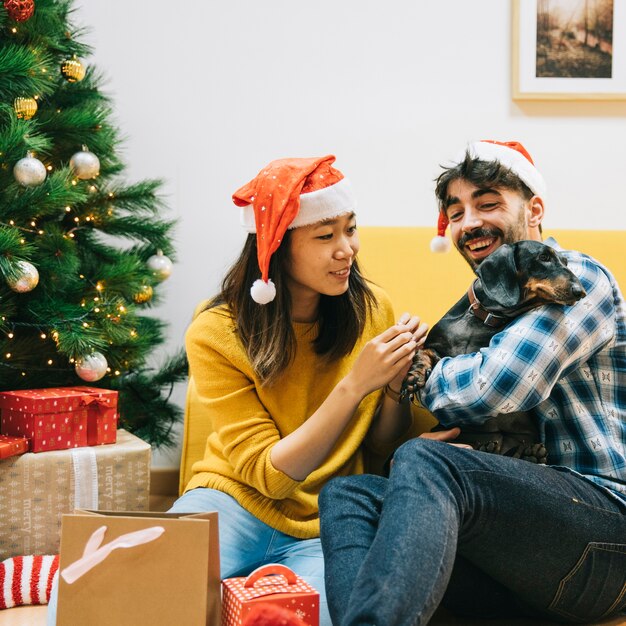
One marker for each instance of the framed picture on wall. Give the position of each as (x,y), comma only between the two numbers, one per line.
(569,49)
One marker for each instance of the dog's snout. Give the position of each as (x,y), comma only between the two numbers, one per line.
(578,291)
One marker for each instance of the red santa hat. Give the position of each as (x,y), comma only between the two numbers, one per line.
(511,154)
(289,193)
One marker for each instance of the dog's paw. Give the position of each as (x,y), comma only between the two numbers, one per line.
(422,366)
(535,453)
(493,446)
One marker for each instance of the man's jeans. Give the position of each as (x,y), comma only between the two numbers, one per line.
(483,534)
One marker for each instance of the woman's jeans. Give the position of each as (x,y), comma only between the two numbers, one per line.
(247,543)
(484,535)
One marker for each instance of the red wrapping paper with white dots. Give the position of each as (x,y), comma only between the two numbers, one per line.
(59,418)
(12,446)
(269,583)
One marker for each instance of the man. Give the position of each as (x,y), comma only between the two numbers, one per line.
(483,534)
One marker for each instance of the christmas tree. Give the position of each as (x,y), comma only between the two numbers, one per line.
(82,253)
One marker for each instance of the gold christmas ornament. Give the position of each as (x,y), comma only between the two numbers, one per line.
(85,164)
(144,295)
(91,367)
(25,108)
(73,70)
(27,279)
(159,265)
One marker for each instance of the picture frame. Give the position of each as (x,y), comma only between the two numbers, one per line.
(569,49)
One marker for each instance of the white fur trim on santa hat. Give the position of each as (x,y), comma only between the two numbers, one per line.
(510,158)
(263,292)
(314,206)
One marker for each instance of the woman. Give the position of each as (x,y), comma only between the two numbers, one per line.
(292,371)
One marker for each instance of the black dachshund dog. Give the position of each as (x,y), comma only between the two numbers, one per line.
(513,279)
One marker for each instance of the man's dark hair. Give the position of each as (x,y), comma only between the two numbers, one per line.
(483,174)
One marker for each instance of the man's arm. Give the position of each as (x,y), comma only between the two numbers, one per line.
(522,363)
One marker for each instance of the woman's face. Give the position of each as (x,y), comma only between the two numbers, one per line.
(319,261)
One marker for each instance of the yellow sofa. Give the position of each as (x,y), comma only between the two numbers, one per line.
(399,260)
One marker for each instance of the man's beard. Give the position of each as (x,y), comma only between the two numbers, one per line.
(515,232)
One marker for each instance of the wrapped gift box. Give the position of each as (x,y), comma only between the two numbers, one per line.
(12,446)
(58,418)
(269,583)
(37,489)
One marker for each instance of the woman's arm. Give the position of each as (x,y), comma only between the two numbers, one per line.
(385,358)
(394,419)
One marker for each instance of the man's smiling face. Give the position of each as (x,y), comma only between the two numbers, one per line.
(482,219)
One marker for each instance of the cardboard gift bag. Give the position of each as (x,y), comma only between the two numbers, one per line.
(269,583)
(130,569)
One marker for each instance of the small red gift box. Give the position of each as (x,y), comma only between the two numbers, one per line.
(269,583)
(58,418)
(12,446)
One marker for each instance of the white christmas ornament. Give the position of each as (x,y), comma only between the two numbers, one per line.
(85,164)
(27,279)
(160,265)
(29,171)
(263,292)
(91,367)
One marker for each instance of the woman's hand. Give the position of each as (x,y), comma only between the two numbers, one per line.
(388,356)
(419,330)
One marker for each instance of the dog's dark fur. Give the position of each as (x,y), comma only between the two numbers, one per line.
(513,279)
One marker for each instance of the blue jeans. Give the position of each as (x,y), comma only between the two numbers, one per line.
(485,535)
(247,543)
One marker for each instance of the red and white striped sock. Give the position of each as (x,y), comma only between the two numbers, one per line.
(27,579)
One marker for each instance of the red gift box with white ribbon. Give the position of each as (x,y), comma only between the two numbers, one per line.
(58,418)
(272,583)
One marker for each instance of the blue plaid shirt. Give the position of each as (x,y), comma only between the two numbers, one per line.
(565,363)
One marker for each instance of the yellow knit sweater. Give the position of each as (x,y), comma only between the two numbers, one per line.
(247,419)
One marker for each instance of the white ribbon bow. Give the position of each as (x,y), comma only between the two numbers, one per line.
(94,553)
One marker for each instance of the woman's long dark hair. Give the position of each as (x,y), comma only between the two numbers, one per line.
(266,330)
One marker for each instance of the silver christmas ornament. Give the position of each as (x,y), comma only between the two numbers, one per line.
(29,171)
(85,164)
(27,279)
(91,367)
(160,265)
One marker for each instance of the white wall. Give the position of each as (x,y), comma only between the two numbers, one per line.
(208,91)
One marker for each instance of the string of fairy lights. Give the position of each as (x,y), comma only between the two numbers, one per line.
(31,172)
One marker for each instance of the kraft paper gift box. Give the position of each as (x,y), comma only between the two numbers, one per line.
(269,583)
(58,418)
(37,489)
(129,569)
(12,446)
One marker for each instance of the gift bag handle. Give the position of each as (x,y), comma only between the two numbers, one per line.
(269,570)
(94,553)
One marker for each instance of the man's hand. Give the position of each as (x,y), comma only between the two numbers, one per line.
(447,436)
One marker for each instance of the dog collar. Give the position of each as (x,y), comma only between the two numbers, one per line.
(478,310)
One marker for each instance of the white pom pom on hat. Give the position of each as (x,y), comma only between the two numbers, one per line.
(263,292)
(285,194)
(440,243)
(511,154)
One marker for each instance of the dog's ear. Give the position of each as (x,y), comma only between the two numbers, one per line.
(498,276)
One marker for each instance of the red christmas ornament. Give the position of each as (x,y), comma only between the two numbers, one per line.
(20,10)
